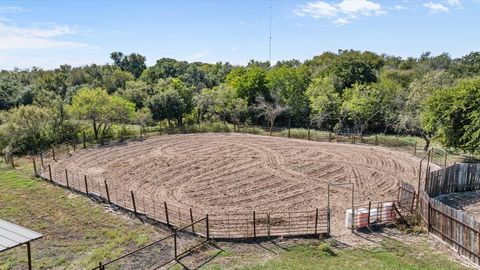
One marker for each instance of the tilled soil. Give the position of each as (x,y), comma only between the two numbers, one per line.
(217,173)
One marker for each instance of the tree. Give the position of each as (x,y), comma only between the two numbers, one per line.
(409,117)
(223,102)
(115,79)
(289,85)
(453,115)
(103,110)
(270,110)
(133,63)
(467,66)
(249,83)
(168,105)
(369,104)
(325,103)
(164,68)
(26,128)
(143,117)
(347,68)
(136,92)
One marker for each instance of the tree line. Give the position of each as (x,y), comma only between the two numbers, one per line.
(434,97)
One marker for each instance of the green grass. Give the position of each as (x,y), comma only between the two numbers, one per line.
(390,255)
(78,233)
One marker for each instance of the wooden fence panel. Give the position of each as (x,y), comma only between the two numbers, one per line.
(456,178)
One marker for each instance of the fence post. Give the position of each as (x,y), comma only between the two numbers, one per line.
(133,202)
(353,207)
(41,159)
(254,227)
(309,133)
(50,172)
(66,178)
(330,138)
(415,149)
(86,184)
(413,202)
(398,193)
(369,209)
(100,266)
(376,139)
(34,167)
(445,162)
(84,140)
(175,243)
(316,220)
(208,228)
(53,153)
(106,189)
(328,222)
(166,213)
(13,163)
(268,224)
(428,216)
(191,219)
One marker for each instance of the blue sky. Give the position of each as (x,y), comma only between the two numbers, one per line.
(49,33)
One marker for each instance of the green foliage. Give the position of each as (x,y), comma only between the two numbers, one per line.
(136,92)
(453,114)
(101,109)
(222,102)
(290,84)
(347,90)
(133,63)
(167,105)
(325,103)
(249,83)
(26,128)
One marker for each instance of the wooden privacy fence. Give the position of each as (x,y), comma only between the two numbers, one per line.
(453,226)
(247,224)
(456,178)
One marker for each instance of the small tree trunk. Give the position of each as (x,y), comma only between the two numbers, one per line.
(427,142)
(95,130)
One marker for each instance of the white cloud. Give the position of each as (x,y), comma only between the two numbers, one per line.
(15,38)
(435,7)
(11,9)
(342,13)
(400,7)
(317,10)
(454,3)
(340,21)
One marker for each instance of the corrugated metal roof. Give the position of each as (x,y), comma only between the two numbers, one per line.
(12,235)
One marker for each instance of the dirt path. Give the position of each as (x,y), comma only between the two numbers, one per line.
(216,173)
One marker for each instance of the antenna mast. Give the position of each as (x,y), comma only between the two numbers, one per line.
(270,39)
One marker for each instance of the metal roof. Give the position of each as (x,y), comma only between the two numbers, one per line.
(12,235)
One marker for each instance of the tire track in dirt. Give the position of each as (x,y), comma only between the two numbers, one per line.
(238,172)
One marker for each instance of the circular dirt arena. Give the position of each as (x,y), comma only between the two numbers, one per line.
(239,172)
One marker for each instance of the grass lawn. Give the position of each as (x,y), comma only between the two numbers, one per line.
(392,255)
(78,233)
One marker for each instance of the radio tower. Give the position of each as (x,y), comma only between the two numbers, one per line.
(270,39)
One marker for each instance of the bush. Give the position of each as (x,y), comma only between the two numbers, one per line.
(411,223)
